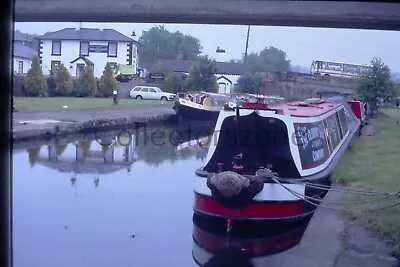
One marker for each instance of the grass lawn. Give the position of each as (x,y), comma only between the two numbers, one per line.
(57,103)
(374,163)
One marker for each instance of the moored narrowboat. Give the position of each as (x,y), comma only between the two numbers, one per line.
(200,106)
(261,158)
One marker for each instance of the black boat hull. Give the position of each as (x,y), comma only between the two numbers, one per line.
(186,113)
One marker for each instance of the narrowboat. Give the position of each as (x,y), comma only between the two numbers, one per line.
(261,157)
(263,247)
(199,106)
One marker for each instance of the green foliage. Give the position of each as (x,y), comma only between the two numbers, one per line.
(60,149)
(158,43)
(34,82)
(269,59)
(376,84)
(87,85)
(33,155)
(64,85)
(51,84)
(107,82)
(202,76)
(85,146)
(249,84)
(173,83)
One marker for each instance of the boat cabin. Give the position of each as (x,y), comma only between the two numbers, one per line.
(294,139)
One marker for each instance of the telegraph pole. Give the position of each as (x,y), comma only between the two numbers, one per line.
(247,44)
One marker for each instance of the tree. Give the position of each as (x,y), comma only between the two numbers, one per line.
(87,83)
(269,59)
(158,43)
(34,82)
(249,84)
(107,82)
(202,76)
(376,85)
(33,154)
(64,85)
(173,83)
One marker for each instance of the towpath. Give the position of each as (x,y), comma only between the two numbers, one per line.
(332,241)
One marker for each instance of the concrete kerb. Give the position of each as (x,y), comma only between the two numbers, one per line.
(46,132)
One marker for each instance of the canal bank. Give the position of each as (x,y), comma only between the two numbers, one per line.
(28,126)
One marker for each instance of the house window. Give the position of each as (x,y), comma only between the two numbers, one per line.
(112,49)
(56,48)
(55,65)
(84,49)
(20,67)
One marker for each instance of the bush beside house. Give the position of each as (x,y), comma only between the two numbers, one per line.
(107,83)
(87,84)
(63,82)
(34,82)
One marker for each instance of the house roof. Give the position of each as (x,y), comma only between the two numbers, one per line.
(24,51)
(18,36)
(227,68)
(88,34)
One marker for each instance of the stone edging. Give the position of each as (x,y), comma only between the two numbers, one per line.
(65,129)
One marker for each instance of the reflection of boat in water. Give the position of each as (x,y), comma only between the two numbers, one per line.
(260,247)
(260,156)
(200,106)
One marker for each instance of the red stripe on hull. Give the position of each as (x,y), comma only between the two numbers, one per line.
(254,210)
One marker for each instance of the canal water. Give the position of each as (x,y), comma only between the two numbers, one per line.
(123,198)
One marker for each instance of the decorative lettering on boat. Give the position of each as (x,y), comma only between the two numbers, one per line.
(312,144)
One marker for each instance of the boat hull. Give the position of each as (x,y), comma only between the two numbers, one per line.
(187,113)
(274,204)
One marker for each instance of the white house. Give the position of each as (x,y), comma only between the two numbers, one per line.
(22,54)
(80,47)
(227,73)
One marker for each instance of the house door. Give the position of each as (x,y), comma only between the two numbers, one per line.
(222,88)
(79,68)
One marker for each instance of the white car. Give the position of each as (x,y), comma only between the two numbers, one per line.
(150,92)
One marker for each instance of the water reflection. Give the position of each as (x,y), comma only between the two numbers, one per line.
(75,203)
(113,151)
(260,246)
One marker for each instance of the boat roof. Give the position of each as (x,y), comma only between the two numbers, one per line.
(299,109)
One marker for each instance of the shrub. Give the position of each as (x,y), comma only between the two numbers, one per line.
(107,82)
(63,81)
(87,85)
(173,83)
(34,82)
(51,84)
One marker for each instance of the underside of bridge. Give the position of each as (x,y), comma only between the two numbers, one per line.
(331,14)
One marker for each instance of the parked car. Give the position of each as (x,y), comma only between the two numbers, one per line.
(150,92)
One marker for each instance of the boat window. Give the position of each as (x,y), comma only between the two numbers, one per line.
(312,144)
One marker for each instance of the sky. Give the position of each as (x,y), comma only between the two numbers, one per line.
(302,45)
